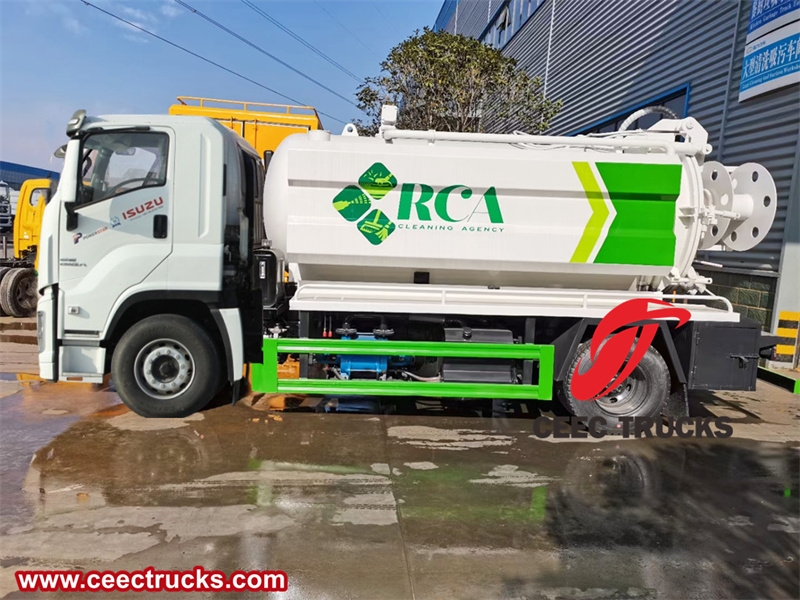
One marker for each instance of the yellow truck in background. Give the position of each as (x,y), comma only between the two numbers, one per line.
(264,126)
(18,274)
(33,197)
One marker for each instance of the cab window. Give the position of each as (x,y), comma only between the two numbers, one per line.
(116,163)
(38,195)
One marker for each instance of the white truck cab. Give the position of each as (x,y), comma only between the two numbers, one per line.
(152,217)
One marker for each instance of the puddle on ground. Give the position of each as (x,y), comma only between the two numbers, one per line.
(364,501)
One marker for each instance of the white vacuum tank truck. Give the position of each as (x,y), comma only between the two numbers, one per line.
(413,263)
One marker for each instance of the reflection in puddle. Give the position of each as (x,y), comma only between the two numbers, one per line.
(387,498)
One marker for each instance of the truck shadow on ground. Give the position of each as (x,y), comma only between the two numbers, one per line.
(461,407)
(701,404)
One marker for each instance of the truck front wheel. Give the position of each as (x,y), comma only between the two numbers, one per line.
(166,366)
(643,394)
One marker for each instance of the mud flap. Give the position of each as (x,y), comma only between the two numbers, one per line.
(677,402)
(236,393)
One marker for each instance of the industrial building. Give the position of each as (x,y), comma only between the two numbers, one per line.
(15,174)
(734,65)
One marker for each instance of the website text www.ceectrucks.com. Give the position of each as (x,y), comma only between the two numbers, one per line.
(151,579)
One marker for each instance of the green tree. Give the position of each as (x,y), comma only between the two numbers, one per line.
(451,82)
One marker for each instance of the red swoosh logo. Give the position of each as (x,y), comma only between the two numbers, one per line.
(609,367)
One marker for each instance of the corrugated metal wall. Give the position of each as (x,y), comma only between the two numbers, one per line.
(609,55)
(529,45)
(473,15)
(445,14)
(764,129)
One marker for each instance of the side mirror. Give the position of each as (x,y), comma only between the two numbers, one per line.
(61,152)
(76,122)
(72,216)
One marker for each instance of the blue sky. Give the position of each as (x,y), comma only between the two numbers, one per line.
(60,55)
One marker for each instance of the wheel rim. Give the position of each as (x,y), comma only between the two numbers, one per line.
(26,293)
(628,396)
(164,369)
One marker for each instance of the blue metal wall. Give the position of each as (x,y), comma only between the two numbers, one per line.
(14,174)
(445,14)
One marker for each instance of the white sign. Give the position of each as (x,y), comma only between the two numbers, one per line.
(771,62)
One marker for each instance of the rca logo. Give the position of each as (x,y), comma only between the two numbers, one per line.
(621,352)
(485,204)
(452,204)
(142,209)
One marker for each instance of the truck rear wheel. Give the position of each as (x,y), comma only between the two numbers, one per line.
(166,366)
(3,272)
(18,295)
(643,394)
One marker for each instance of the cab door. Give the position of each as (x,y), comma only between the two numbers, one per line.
(33,197)
(119,229)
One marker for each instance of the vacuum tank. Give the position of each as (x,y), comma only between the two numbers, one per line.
(621,211)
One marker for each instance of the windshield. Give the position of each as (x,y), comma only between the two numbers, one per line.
(115,163)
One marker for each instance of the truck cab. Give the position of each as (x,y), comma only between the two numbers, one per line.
(146,257)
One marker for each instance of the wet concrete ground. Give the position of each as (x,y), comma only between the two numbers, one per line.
(423,505)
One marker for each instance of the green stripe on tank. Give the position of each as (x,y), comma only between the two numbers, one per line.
(644,196)
(599,213)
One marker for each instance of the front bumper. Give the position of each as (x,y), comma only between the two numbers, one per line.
(46,335)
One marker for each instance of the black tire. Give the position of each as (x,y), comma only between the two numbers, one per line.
(643,394)
(18,293)
(3,272)
(183,359)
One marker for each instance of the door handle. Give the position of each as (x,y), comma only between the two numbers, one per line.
(160,226)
